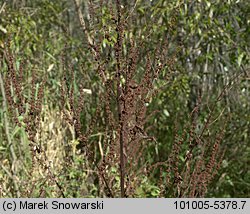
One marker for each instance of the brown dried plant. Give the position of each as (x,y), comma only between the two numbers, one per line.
(125,103)
(26,113)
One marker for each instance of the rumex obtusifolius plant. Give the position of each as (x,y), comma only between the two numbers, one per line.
(126,138)
(125,101)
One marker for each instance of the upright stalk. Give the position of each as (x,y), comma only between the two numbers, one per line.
(118,49)
(122,165)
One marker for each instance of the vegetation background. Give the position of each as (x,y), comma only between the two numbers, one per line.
(208,42)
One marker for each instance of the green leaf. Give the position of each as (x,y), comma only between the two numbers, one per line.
(16,130)
(2,148)
(240,57)
(155,191)
(165,111)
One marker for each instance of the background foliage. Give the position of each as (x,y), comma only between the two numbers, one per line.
(214,37)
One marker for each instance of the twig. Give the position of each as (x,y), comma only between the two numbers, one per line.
(132,10)
(82,22)
(2,8)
